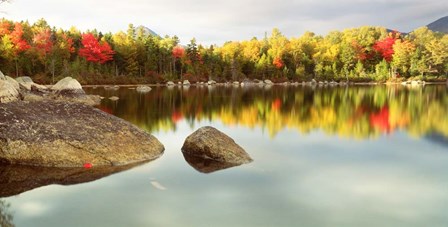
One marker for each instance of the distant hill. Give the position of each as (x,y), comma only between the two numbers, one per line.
(440,25)
(147,30)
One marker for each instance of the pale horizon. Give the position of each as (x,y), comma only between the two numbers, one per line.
(219,21)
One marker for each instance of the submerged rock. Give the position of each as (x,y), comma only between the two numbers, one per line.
(114,98)
(209,143)
(60,134)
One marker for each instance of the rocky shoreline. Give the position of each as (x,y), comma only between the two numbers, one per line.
(244,83)
(58,127)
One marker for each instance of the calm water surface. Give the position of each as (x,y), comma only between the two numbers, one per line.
(360,156)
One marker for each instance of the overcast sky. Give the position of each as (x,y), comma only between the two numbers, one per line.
(217,21)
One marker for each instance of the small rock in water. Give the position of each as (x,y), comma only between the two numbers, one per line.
(143,89)
(210,143)
(114,98)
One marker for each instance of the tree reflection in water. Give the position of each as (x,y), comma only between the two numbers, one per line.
(356,112)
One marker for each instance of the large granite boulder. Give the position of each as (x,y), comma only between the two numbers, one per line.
(8,93)
(61,134)
(13,82)
(210,143)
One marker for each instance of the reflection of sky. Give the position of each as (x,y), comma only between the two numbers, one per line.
(295,180)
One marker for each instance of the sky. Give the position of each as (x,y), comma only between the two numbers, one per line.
(217,21)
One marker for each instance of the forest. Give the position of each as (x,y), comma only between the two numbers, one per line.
(362,54)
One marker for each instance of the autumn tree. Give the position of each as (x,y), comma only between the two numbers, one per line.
(402,54)
(13,44)
(94,51)
(179,58)
(385,47)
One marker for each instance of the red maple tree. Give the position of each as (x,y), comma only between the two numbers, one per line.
(278,63)
(95,51)
(385,46)
(17,39)
(178,52)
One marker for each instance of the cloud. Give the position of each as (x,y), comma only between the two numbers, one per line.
(218,21)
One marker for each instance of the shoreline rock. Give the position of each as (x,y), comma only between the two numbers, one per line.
(7,92)
(59,134)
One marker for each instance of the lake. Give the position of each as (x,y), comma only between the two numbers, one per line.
(323,156)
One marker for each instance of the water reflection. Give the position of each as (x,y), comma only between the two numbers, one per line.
(6,218)
(206,165)
(18,179)
(356,112)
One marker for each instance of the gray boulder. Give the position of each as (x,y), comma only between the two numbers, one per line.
(170,83)
(210,143)
(25,82)
(268,82)
(61,134)
(68,85)
(7,92)
(13,82)
(70,90)
(186,82)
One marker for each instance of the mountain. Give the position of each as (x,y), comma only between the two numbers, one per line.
(440,25)
(147,30)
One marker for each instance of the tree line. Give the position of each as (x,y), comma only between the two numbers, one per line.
(366,53)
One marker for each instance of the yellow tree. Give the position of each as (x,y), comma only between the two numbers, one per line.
(403,52)
(230,52)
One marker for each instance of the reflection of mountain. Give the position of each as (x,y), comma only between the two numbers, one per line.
(438,138)
(206,165)
(18,179)
(359,112)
